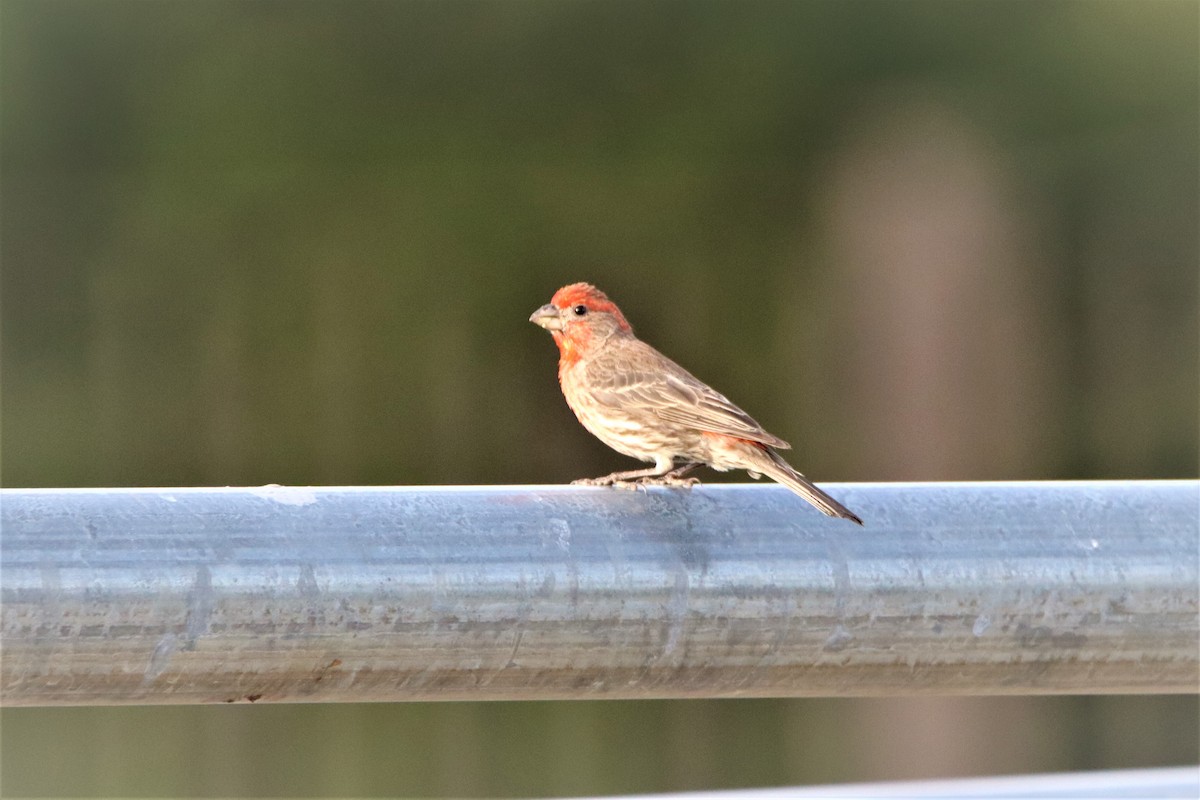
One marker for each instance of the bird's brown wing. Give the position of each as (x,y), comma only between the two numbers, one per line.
(700,406)
(648,379)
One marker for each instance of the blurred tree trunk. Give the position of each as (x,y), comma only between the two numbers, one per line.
(950,359)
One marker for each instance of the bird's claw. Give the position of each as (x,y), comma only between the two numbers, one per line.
(677,483)
(638,483)
(607,480)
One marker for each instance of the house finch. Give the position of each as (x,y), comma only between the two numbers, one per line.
(641,403)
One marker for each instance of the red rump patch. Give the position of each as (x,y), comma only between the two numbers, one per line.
(732,441)
(584,294)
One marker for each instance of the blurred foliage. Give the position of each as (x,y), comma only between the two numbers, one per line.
(563,749)
(297,242)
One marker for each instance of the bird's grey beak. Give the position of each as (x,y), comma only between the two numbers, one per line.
(547,317)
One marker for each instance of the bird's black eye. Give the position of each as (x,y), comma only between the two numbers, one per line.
(579,311)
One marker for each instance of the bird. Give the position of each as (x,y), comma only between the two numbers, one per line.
(644,405)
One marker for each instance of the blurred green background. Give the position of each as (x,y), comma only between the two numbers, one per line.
(297,242)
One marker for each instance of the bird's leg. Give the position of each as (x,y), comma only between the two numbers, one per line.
(629,479)
(676,477)
(663,473)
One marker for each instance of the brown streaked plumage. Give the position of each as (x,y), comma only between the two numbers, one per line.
(641,403)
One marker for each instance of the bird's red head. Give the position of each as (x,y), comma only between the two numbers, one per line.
(583,295)
(580,317)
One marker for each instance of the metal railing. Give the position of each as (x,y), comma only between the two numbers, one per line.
(114,596)
(1159,783)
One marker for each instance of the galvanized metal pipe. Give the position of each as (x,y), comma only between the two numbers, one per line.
(144,596)
(1161,783)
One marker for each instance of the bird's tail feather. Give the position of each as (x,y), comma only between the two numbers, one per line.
(779,470)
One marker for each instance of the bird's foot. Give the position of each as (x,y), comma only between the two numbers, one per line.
(670,480)
(638,483)
(607,480)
